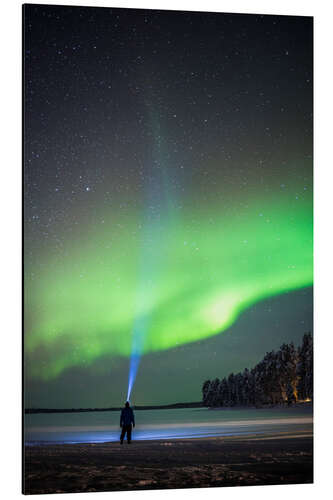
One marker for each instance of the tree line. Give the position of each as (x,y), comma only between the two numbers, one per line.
(282,377)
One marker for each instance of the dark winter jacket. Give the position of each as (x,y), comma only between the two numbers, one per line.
(127,417)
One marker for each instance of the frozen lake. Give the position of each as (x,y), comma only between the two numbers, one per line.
(96,427)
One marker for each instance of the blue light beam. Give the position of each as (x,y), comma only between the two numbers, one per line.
(139,331)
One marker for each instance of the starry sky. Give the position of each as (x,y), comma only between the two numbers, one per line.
(167,199)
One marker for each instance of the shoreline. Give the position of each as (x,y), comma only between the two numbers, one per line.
(169,463)
(174,406)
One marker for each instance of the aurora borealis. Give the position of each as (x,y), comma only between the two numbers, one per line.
(168,190)
(96,301)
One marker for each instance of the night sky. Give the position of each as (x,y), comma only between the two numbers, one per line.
(167,199)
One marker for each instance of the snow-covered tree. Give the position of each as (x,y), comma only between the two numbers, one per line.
(205,391)
(305,368)
(281,376)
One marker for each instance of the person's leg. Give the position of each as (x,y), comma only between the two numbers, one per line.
(122,435)
(129,434)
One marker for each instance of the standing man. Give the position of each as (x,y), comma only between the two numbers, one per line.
(126,421)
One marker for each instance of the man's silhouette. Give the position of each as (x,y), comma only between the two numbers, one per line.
(126,421)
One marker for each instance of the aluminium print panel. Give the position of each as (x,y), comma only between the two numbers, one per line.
(168,269)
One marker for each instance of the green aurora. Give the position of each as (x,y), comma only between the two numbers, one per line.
(186,276)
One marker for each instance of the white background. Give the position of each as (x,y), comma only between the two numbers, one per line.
(10,234)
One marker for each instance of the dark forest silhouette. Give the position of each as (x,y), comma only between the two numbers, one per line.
(282,377)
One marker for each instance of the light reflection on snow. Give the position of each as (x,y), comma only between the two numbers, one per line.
(104,433)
